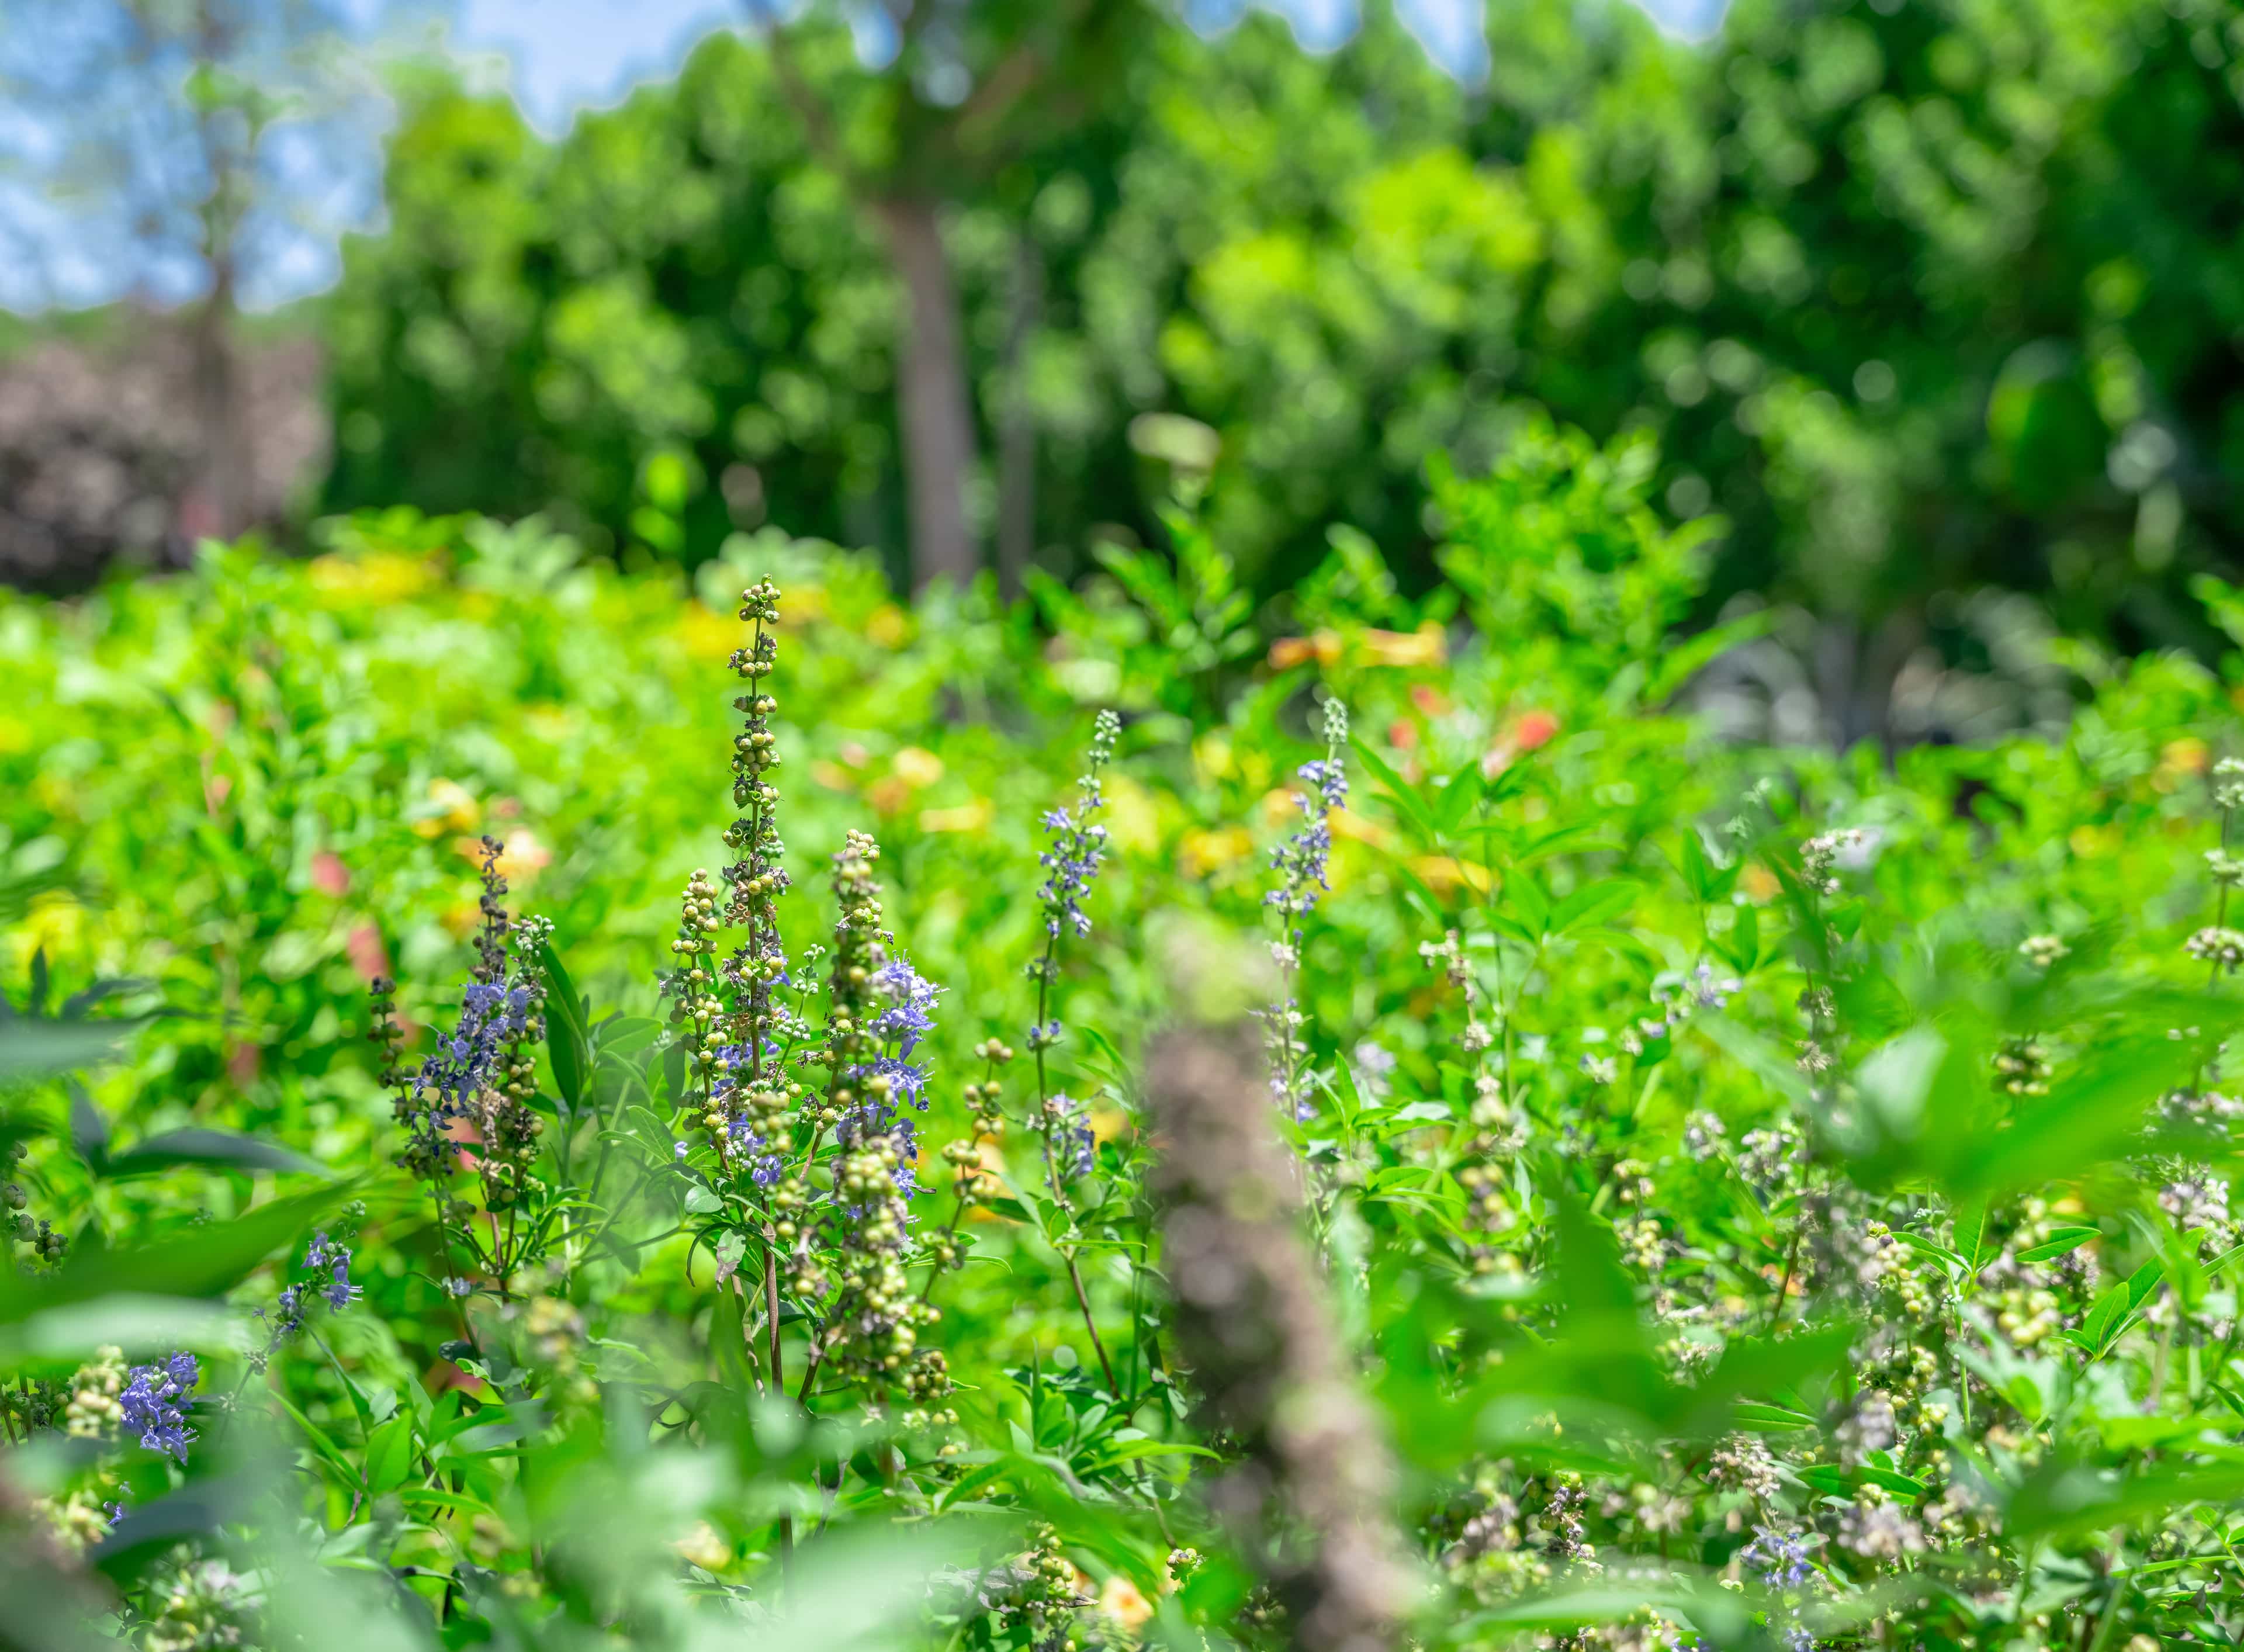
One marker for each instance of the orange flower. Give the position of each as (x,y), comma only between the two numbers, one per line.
(1289,652)
(521,858)
(1534,728)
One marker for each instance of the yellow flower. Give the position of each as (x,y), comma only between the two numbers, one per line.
(1121,1601)
(1203,852)
(917,767)
(702,1547)
(56,923)
(966,818)
(1134,819)
(373,579)
(1442,873)
(705,634)
(887,626)
(456,810)
(1427,645)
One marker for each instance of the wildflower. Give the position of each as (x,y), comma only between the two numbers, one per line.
(1077,848)
(2221,947)
(1743,1462)
(1768,1158)
(2022,1066)
(2043,950)
(1779,1560)
(1880,1533)
(1703,1134)
(2198,1202)
(1821,853)
(1871,1428)
(1301,860)
(330,1257)
(2228,792)
(94,1412)
(152,1403)
(906,1020)
(1374,1066)
(1710,992)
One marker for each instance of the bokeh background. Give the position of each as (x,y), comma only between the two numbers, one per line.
(1934,304)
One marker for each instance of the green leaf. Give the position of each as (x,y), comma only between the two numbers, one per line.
(1398,791)
(2143,1282)
(192,1262)
(568,1042)
(1593,903)
(1678,665)
(1525,896)
(221,1149)
(1941,1253)
(89,1130)
(2067,1239)
(33,1049)
(1455,797)
(1751,1414)
(1970,1223)
(2103,1315)
(2066,1497)
(1744,948)
(390,1455)
(1698,871)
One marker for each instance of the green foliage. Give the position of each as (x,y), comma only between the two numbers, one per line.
(1913,299)
(1766,1195)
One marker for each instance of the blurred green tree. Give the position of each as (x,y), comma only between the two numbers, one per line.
(1919,299)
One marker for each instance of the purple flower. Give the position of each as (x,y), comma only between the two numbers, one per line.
(766,1166)
(152,1403)
(1328,779)
(339,1290)
(1777,1558)
(329,1256)
(492,1016)
(1077,845)
(911,997)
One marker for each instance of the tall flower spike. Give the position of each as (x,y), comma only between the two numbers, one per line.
(1077,848)
(853,993)
(756,879)
(1301,863)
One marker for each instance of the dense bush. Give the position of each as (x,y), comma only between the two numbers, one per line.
(1383,1133)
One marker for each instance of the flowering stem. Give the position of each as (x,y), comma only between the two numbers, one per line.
(1044,972)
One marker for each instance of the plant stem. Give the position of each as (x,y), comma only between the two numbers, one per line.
(1045,968)
(1784,1285)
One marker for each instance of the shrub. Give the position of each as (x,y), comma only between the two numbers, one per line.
(1378,1132)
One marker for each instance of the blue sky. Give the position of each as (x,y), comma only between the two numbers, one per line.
(559,56)
(566,54)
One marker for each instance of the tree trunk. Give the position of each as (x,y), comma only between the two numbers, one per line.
(932,401)
(216,505)
(1016,436)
